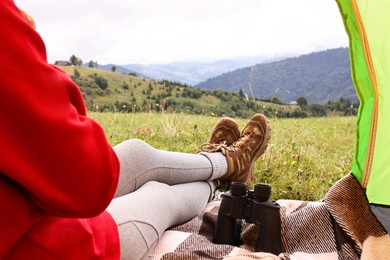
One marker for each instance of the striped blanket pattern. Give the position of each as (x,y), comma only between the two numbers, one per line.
(340,226)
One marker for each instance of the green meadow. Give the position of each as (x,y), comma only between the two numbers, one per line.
(304,159)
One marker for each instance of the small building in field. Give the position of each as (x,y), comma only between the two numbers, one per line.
(293,103)
(62,63)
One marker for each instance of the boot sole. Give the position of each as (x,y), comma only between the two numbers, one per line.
(263,148)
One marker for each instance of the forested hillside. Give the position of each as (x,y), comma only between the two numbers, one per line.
(319,77)
(106,91)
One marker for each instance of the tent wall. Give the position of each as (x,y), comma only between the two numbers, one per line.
(366,23)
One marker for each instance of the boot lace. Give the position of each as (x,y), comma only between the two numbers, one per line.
(209,147)
(239,143)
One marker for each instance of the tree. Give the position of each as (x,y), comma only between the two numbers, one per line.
(101,82)
(113,68)
(276,100)
(241,93)
(317,110)
(91,64)
(76,73)
(302,101)
(75,61)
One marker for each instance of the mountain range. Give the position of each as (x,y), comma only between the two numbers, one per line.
(190,73)
(319,77)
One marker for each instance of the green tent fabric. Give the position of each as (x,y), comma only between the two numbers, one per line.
(367,24)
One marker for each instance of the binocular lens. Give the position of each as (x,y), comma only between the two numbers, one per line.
(262,192)
(238,189)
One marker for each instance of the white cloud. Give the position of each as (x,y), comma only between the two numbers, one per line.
(130,31)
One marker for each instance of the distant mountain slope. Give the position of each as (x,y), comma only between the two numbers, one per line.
(119,69)
(319,77)
(191,73)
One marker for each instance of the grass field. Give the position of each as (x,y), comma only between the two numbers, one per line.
(304,159)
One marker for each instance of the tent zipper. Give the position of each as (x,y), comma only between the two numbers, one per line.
(374,118)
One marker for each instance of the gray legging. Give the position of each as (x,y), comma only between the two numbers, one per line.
(159,189)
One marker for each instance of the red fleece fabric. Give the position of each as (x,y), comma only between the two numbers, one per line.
(58,172)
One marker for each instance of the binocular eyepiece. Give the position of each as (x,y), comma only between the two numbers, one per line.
(255,207)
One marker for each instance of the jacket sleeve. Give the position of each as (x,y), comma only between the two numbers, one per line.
(48,146)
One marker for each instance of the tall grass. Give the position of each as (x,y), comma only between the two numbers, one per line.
(304,159)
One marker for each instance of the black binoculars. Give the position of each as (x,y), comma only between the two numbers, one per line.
(255,207)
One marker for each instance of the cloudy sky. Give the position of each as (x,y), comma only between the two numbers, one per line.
(163,31)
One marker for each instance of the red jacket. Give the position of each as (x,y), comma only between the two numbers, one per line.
(57,171)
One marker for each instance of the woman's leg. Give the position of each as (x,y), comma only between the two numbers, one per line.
(145,214)
(144,211)
(141,163)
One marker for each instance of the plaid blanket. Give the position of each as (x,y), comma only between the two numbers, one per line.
(341,226)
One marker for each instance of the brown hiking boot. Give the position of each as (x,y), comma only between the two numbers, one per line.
(225,132)
(242,154)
